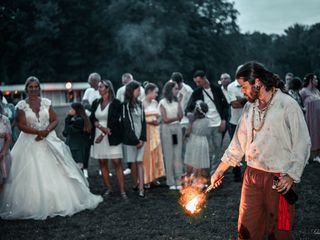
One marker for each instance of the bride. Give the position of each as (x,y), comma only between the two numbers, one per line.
(44,180)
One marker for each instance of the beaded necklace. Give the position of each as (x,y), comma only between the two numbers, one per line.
(262,120)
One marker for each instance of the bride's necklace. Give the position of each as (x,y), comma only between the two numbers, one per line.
(262,116)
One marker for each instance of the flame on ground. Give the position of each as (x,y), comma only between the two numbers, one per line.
(192,205)
(192,200)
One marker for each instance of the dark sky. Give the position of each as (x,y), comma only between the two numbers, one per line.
(273,16)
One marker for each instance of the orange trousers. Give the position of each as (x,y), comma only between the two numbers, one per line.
(258,212)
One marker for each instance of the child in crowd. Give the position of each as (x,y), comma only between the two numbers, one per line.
(77,131)
(197,147)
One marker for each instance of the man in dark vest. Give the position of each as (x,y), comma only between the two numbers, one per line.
(217,114)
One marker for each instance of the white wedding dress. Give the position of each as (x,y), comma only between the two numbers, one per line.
(44,180)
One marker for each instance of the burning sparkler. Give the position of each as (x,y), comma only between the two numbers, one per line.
(193,197)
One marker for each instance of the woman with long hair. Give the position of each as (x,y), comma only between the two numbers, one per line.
(153,157)
(44,180)
(311,100)
(107,139)
(134,130)
(171,134)
(77,130)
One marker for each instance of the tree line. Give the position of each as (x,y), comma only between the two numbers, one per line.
(65,40)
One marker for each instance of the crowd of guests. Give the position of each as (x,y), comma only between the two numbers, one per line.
(182,134)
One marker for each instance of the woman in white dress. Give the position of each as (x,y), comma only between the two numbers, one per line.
(44,180)
(105,117)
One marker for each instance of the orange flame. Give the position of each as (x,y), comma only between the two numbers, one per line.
(192,205)
(193,196)
(192,200)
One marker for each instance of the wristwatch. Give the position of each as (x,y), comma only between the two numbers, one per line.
(103,134)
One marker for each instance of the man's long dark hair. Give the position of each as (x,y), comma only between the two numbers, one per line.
(252,70)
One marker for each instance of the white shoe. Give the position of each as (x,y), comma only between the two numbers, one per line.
(127,171)
(85,173)
(100,173)
(178,187)
(172,187)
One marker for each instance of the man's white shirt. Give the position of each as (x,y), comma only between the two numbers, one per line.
(91,94)
(121,91)
(234,90)
(186,92)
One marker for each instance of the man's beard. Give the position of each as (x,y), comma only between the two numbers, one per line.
(254,94)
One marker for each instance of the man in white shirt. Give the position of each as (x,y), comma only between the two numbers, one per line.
(237,101)
(126,78)
(92,92)
(217,113)
(184,94)
(225,81)
(273,136)
(288,78)
(89,96)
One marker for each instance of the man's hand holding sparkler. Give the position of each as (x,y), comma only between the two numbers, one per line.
(216,178)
